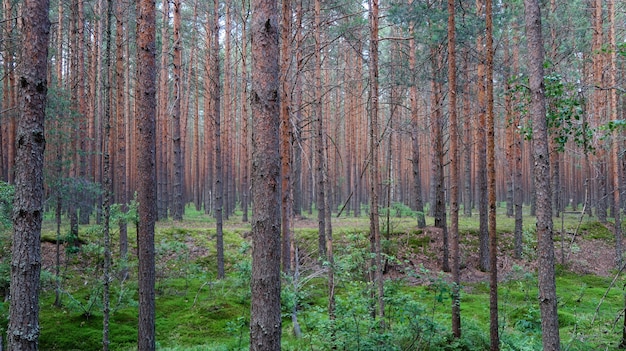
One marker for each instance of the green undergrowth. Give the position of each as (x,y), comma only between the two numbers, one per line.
(196,311)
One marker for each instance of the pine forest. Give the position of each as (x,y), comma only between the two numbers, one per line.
(312,175)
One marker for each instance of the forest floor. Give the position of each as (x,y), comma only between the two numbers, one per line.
(192,304)
(583,253)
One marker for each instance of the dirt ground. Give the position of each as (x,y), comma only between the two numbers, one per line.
(582,256)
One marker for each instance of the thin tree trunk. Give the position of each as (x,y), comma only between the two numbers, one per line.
(163,118)
(226,110)
(297,142)
(285,135)
(415,160)
(178,208)
(467,141)
(106,177)
(245,194)
(491,184)
(122,193)
(319,135)
(518,197)
(437,126)
(615,150)
(454,174)
(374,177)
(219,161)
(481,153)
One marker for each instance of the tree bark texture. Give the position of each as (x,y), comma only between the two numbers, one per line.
(545,244)
(146,170)
(285,136)
(178,206)
(219,159)
(265,320)
(481,150)
(23,328)
(415,160)
(374,182)
(454,174)
(319,136)
(491,183)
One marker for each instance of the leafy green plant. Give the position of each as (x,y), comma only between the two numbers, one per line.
(564,115)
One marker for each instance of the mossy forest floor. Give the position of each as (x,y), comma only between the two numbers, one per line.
(195,311)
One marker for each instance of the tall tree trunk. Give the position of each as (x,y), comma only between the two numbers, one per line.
(319,135)
(598,102)
(245,194)
(285,135)
(417,179)
(226,109)
(481,152)
(265,319)
(491,184)
(163,118)
(122,191)
(219,160)
(377,263)
(8,92)
(467,141)
(518,197)
(454,174)
(146,172)
(297,142)
(23,327)
(437,141)
(178,206)
(615,150)
(106,175)
(511,128)
(196,164)
(545,244)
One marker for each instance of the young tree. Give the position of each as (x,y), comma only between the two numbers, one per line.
(146,171)
(23,328)
(545,244)
(265,319)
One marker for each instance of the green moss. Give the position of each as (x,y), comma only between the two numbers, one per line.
(419,243)
(596,230)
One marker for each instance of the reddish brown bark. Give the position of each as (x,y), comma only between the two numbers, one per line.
(285,135)
(545,244)
(491,184)
(265,319)
(146,172)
